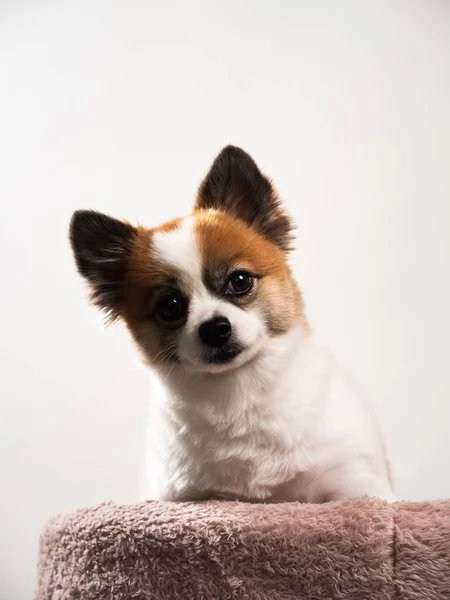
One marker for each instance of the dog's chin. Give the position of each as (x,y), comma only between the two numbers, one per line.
(227,361)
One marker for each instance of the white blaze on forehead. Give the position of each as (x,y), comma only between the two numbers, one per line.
(178,248)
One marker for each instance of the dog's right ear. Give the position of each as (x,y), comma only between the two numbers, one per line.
(235,185)
(101,246)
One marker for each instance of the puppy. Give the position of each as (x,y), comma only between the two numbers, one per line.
(247,404)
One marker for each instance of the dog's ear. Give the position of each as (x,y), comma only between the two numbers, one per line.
(235,185)
(101,246)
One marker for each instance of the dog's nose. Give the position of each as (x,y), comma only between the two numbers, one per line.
(215,332)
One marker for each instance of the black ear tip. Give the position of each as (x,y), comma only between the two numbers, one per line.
(81,218)
(238,158)
(82,213)
(90,228)
(81,221)
(91,220)
(231,151)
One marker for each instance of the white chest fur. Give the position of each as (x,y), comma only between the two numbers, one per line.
(290,425)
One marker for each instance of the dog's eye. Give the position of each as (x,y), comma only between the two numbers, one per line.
(239,283)
(171,308)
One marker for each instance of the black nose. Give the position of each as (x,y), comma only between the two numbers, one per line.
(215,332)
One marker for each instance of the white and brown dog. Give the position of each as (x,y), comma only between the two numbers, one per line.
(247,405)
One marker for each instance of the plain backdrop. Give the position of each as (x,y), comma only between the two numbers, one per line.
(121,106)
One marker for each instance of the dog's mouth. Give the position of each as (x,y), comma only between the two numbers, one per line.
(230,357)
(218,360)
(223,356)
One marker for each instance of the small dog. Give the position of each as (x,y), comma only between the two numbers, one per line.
(248,405)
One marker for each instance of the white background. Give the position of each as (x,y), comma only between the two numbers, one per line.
(121,106)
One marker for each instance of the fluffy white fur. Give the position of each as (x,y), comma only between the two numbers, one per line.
(281,422)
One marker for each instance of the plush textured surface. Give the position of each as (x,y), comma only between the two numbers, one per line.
(356,550)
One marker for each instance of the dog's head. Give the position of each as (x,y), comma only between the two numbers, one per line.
(207,291)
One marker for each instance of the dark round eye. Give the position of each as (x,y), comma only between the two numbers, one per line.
(239,283)
(171,307)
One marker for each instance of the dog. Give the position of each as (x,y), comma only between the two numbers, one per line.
(247,404)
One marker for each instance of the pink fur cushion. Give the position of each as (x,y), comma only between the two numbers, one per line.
(354,550)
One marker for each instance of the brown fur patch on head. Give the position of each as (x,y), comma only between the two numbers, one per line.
(227,244)
(146,277)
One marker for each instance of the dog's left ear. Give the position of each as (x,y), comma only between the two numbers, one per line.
(235,185)
(101,247)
